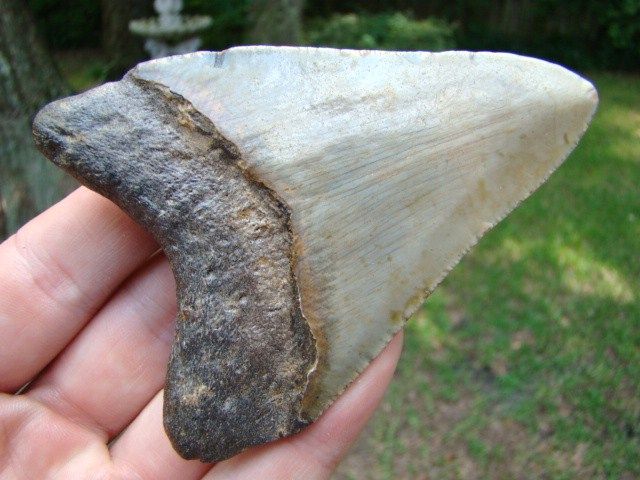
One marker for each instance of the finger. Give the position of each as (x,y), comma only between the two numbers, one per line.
(36,442)
(116,365)
(144,450)
(315,452)
(56,273)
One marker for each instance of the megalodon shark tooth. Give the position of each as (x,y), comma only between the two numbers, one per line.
(308,201)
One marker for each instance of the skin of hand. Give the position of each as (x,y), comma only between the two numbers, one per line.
(87,311)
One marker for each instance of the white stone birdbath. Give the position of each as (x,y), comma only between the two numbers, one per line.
(170,33)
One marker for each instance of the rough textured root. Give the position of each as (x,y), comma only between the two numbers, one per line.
(240,362)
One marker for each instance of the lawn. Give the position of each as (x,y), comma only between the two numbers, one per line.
(525,362)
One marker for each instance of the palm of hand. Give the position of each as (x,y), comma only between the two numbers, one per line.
(87,310)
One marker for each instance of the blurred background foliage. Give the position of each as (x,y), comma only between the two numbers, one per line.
(395,31)
(582,34)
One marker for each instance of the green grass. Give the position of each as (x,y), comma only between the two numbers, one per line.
(82,69)
(525,363)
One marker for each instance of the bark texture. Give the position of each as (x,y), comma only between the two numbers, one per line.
(276,22)
(241,359)
(28,80)
(123,49)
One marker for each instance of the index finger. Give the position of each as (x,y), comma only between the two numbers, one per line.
(57,271)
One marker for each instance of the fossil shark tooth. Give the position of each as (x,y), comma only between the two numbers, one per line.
(308,201)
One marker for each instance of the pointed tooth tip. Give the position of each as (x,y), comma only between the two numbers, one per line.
(574,100)
(587,102)
(569,87)
(582,93)
(587,93)
(592,95)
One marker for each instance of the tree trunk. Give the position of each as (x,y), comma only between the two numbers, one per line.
(276,22)
(123,49)
(3,218)
(28,80)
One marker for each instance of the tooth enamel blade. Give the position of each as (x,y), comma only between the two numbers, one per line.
(393,165)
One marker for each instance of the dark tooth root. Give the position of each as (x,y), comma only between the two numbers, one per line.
(243,350)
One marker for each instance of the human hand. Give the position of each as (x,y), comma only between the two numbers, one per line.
(87,310)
